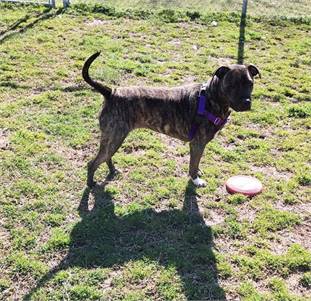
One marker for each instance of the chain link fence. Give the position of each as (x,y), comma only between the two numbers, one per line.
(269,8)
(286,8)
(50,3)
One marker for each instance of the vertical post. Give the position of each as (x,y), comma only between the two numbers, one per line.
(242,33)
(244,8)
(66,3)
(52,3)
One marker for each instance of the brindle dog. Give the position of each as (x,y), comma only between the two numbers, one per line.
(171,111)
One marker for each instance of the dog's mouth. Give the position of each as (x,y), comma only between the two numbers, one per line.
(243,105)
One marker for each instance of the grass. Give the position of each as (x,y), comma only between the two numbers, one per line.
(271,8)
(140,237)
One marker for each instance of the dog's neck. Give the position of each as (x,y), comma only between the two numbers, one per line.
(217,103)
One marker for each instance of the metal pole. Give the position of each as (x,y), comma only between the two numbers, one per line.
(52,3)
(244,8)
(66,3)
(242,33)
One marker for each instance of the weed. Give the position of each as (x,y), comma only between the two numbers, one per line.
(273,220)
(306,280)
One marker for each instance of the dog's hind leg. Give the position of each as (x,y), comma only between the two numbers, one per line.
(109,144)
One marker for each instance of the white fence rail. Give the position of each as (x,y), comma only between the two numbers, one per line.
(50,3)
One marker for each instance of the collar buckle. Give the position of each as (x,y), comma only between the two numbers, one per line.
(218,121)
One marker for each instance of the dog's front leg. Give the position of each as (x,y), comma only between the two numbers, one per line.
(196,152)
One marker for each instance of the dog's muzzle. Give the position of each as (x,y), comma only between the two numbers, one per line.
(242,105)
(246,104)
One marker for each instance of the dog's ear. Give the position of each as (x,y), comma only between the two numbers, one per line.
(221,71)
(253,70)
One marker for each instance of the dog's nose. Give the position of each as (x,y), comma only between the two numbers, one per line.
(247,103)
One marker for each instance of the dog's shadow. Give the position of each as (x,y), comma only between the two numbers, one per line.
(177,238)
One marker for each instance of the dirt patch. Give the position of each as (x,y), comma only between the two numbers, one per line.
(220,193)
(246,212)
(4,238)
(175,42)
(293,284)
(303,209)
(264,131)
(97,22)
(4,139)
(221,61)
(300,234)
(77,157)
(272,172)
(170,142)
(189,80)
(171,145)
(213,217)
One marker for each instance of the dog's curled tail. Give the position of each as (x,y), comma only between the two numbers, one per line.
(106,91)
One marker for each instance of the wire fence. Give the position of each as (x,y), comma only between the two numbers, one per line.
(287,8)
(50,3)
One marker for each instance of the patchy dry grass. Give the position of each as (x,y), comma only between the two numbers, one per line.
(298,8)
(148,234)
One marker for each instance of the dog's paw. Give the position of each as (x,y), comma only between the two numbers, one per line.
(198,182)
(114,174)
(200,173)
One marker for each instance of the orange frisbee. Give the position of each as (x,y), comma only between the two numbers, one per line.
(246,185)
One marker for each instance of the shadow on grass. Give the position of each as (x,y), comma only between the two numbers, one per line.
(177,238)
(15,24)
(18,86)
(13,29)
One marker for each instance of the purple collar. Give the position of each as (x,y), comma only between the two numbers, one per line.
(209,116)
(217,121)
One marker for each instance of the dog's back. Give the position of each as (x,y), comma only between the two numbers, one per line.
(157,94)
(166,110)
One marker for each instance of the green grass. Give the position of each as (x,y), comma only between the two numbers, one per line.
(140,237)
(262,7)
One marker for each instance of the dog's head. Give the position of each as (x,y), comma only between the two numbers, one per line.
(236,85)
